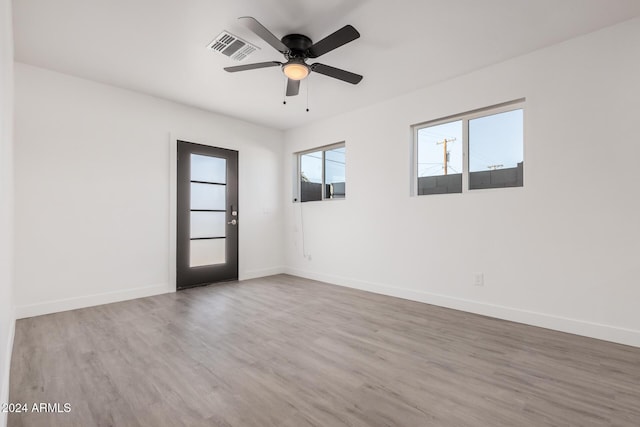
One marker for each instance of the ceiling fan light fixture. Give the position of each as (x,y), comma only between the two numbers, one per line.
(297,49)
(295,70)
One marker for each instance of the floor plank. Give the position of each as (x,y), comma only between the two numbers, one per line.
(285,351)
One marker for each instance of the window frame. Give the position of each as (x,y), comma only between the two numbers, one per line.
(297,197)
(518,104)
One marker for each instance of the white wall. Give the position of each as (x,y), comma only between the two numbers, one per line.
(7,314)
(562,252)
(92,190)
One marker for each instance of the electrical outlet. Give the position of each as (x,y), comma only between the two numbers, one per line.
(478,279)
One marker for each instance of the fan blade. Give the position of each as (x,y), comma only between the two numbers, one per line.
(263,33)
(337,73)
(293,87)
(252,66)
(343,36)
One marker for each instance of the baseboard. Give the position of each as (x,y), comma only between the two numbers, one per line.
(6,370)
(66,304)
(563,324)
(254,274)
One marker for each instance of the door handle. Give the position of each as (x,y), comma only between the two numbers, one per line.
(233,222)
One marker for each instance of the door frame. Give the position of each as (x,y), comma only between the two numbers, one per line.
(173,197)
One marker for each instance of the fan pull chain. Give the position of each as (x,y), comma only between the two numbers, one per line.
(307,85)
(284,96)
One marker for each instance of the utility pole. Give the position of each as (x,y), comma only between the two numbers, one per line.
(446,153)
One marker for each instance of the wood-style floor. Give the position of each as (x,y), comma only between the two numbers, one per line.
(285,351)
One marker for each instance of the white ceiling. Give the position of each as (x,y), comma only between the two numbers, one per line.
(158,47)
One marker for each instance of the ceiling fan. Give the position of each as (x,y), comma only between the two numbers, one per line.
(297,49)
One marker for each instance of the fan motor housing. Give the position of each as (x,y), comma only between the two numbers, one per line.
(297,43)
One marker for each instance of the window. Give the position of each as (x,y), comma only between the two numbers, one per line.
(496,150)
(440,158)
(321,174)
(492,141)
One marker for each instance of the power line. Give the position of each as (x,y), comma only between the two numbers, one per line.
(328,160)
(425,172)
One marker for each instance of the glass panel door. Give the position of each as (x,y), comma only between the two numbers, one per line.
(207,241)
